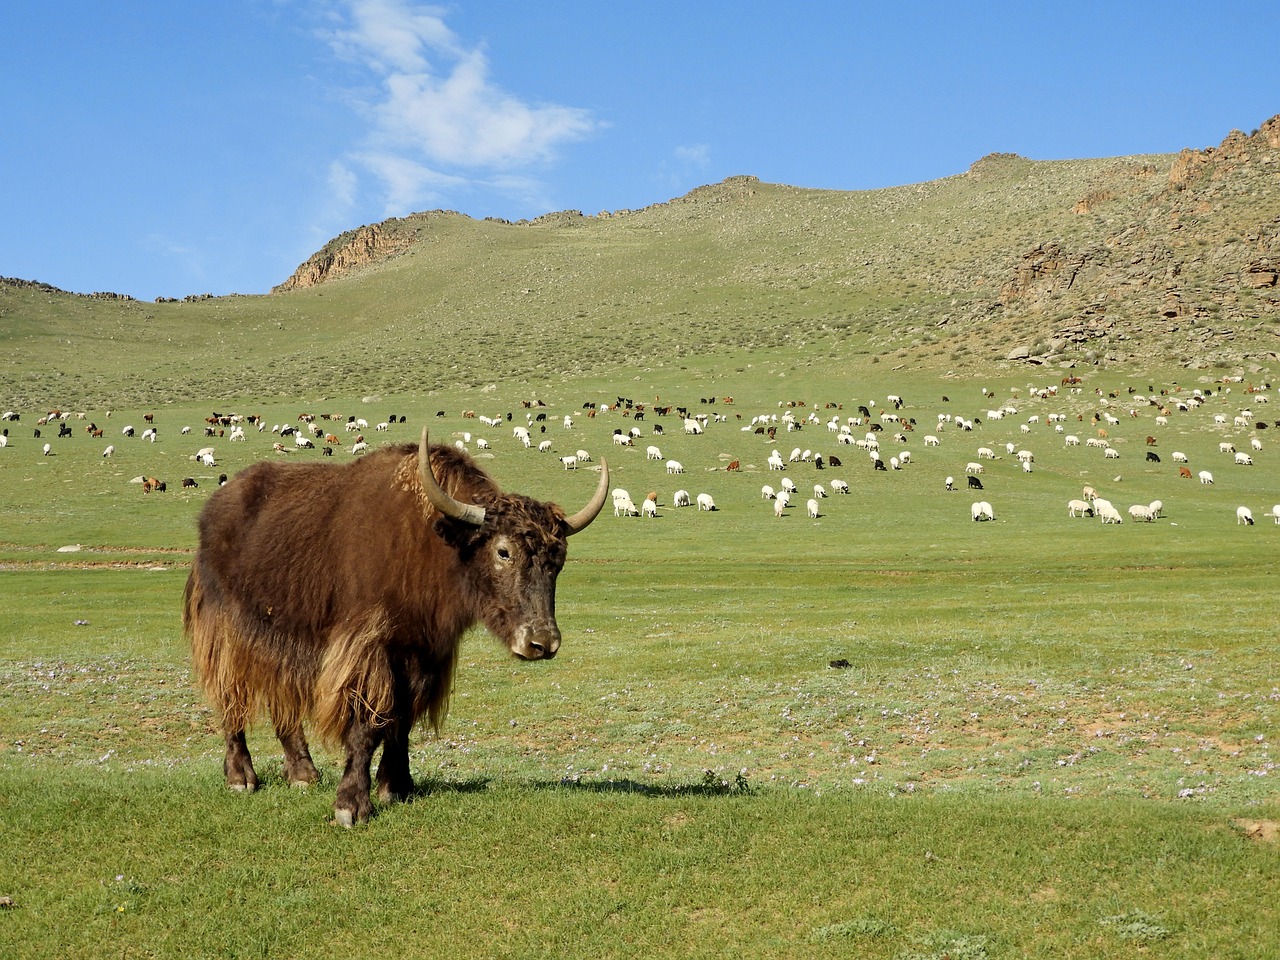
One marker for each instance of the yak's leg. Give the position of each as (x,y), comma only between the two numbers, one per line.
(238,765)
(353,804)
(394,780)
(299,770)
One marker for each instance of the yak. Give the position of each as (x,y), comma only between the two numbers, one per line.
(339,595)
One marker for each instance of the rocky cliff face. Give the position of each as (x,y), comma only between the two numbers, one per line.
(345,254)
(1197,254)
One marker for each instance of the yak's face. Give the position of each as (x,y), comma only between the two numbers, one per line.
(513,562)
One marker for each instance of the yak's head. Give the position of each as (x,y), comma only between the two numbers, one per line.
(513,549)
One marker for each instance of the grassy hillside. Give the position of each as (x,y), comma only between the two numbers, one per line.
(1136,260)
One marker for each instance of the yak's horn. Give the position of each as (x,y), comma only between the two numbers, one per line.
(466,512)
(582,519)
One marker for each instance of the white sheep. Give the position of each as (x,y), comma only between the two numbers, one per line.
(653,453)
(930,440)
(788,485)
(650,508)
(1107,513)
(775,462)
(675,466)
(1255,443)
(1071,440)
(624,507)
(570,463)
(779,505)
(1226,447)
(1244,460)
(972,467)
(1244,515)
(986,453)
(1140,511)
(680,498)
(819,491)
(111,448)
(482,443)
(767,492)
(1111,453)
(1079,508)
(583,456)
(1206,476)
(48,449)
(839,486)
(812,507)
(950,483)
(705,502)
(1179,457)
(981,510)
(544,446)
(1156,507)
(1275,513)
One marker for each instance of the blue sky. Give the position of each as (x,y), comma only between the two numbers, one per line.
(166,149)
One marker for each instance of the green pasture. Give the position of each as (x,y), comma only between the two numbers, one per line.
(886,732)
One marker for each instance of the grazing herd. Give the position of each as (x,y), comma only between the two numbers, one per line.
(1053,417)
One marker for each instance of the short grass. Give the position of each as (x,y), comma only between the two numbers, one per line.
(1043,743)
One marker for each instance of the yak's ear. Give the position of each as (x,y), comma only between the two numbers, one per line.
(458,534)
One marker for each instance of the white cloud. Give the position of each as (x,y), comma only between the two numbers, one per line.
(438,120)
(698,155)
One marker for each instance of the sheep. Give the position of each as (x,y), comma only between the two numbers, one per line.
(680,498)
(583,456)
(1108,513)
(360,447)
(544,446)
(675,466)
(930,440)
(1071,440)
(767,492)
(705,502)
(1026,456)
(1178,457)
(840,486)
(972,467)
(788,485)
(1275,513)
(981,510)
(775,462)
(111,448)
(1079,508)
(624,507)
(1089,493)
(1111,453)
(1206,476)
(950,483)
(1226,447)
(1140,511)
(621,440)
(904,457)
(570,463)
(48,449)
(1255,443)
(1244,515)
(692,426)
(986,453)
(650,508)
(1244,460)
(819,491)
(653,453)
(812,507)
(1156,507)
(778,506)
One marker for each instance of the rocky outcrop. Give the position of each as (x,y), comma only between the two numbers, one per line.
(346,254)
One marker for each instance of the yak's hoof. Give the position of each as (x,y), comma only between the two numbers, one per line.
(344,818)
(243,787)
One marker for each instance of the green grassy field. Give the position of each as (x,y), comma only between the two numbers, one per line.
(1053,737)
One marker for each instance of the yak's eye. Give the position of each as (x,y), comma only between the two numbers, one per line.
(504,553)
